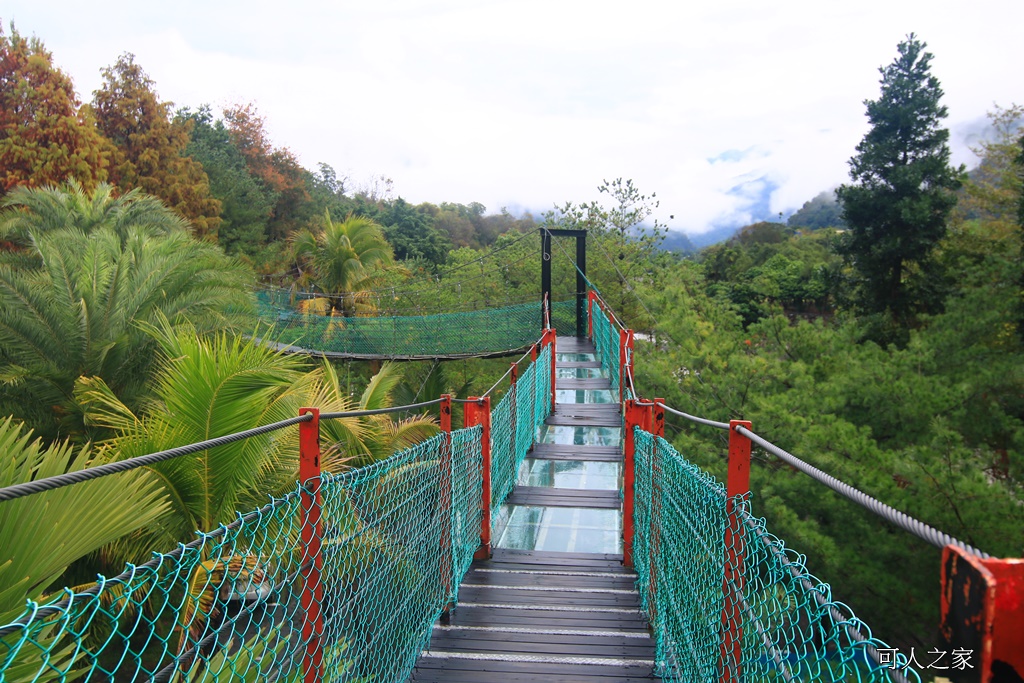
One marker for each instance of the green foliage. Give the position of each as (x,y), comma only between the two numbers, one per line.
(903,196)
(40,535)
(411,232)
(765,266)
(71,302)
(934,429)
(344,259)
(246,203)
(821,212)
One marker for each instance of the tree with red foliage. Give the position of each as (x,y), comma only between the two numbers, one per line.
(149,145)
(46,137)
(278,169)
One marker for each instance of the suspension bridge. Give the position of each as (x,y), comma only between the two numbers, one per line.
(556,536)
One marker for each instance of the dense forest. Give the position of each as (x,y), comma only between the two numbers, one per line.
(877,334)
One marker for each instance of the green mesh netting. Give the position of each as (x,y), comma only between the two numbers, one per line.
(514,423)
(397,538)
(786,624)
(451,335)
(606,341)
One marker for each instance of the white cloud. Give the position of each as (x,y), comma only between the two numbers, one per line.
(532,103)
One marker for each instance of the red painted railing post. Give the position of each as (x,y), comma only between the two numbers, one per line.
(982,616)
(635,416)
(738,483)
(311,535)
(446,463)
(590,312)
(552,339)
(478,412)
(622,364)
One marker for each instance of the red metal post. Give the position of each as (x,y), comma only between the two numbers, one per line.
(478,412)
(982,617)
(622,364)
(446,463)
(590,312)
(658,417)
(635,416)
(549,339)
(311,535)
(738,483)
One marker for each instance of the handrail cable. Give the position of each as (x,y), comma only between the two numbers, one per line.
(904,521)
(507,372)
(58,481)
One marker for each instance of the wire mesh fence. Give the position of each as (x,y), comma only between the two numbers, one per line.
(726,599)
(235,604)
(514,423)
(307,323)
(606,341)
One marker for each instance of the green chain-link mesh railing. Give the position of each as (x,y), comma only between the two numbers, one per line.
(397,538)
(606,341)
(514,423)
(449,335)
(784,621)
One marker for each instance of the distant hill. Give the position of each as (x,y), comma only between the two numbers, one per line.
(821,212)
(714,236)
(678,242)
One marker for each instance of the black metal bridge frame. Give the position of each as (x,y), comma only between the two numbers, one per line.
(581,274)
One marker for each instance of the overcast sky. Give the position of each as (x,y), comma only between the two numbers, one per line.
(728,110)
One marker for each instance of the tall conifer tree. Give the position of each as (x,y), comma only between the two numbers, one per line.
(903,193)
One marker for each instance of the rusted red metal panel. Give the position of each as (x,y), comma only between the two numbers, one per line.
(982,614)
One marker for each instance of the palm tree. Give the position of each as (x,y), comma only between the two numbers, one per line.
(343,260)
(29,212)
(42,534)
(72,303)
(214,385)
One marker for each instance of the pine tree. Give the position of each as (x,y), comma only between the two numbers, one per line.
(149,146)
(903,193)
(46,137)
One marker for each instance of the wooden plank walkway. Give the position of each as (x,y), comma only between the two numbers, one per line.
(526,616)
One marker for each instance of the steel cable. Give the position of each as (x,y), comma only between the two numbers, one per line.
(61,480)
(904,521)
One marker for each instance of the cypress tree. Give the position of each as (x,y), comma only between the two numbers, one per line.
(903,193)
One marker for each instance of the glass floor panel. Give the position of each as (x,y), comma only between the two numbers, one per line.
(588,436)
(570,474)
(569,530)
(578,373)
(584,396)
(570,357)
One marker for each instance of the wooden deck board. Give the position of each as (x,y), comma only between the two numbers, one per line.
(557,451)
(544,496)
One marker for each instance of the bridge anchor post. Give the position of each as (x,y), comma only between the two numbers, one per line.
(311,536)
(635,416)
(478,412)
(737,485)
